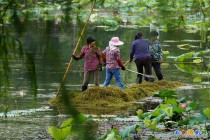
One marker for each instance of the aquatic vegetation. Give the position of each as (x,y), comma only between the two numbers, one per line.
(186,46)
(20,12)
(101,96)
(172,113)
(194,59)
(69,127)
(185,56)
(62,132)
(16,113)
(166,52)
(113,97)
(193,54)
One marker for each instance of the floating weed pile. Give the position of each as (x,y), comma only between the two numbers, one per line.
(103,96)
(96,97)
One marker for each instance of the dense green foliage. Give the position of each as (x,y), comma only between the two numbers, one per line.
(192,15)
(172,113)
(162,14)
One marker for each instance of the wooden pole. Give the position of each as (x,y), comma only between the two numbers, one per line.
(75,49)
(126,63)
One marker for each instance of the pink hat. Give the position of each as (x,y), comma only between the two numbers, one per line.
(115,41)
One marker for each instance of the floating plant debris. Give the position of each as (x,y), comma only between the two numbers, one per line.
(113,97)
(16,113)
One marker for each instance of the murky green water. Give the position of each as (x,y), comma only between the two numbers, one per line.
(51,47)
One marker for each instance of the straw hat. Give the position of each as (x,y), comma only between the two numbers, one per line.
(115,41)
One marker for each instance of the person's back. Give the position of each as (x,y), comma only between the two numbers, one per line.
(113,62)
(140,48)
(112,55)
(141,55)
(155,50)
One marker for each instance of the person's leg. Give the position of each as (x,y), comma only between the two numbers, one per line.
(108,78)
(87,75)
(118,78)
(96,77)
(157,69)
(139,66)
(148,69)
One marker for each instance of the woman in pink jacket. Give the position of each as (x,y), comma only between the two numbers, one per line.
(92,62)
(113,62)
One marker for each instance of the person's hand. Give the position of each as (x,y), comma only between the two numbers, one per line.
(74,57)
(160,60)
(123,68)
(100,67)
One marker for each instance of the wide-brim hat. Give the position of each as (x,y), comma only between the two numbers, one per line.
(115,41)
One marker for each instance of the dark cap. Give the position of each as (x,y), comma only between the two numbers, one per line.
(90,39)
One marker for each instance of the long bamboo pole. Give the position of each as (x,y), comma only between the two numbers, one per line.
(75,49)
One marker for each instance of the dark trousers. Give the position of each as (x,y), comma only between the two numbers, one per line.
(156,66)
(145,63)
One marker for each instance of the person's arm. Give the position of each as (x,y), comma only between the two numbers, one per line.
(80,56)
(160,52)
(119,60)
(132,52)
(99,56)
(120,63)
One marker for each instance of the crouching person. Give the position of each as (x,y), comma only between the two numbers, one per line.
(92,62)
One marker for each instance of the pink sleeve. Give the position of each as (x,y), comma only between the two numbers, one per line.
(83,50)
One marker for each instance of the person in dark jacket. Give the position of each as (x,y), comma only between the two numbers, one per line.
(92,62)
(155,50)
(142,57)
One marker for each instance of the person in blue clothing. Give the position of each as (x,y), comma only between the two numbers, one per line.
(155,50)
(142,57)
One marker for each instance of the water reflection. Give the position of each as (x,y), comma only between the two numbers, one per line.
(51,49)
(199,95)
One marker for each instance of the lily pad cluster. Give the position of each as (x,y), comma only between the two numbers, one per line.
(172,113)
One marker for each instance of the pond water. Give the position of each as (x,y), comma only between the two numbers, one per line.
(51,47)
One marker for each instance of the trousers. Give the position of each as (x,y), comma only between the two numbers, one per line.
(116,73)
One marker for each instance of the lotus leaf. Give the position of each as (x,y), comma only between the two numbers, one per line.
(165,52)
(197,79)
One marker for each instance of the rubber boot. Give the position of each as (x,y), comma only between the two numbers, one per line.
(84,88)
(151,79)
(139,80)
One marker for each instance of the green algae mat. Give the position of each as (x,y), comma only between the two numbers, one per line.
(96,97)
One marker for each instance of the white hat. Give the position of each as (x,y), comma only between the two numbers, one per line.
(115,41)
